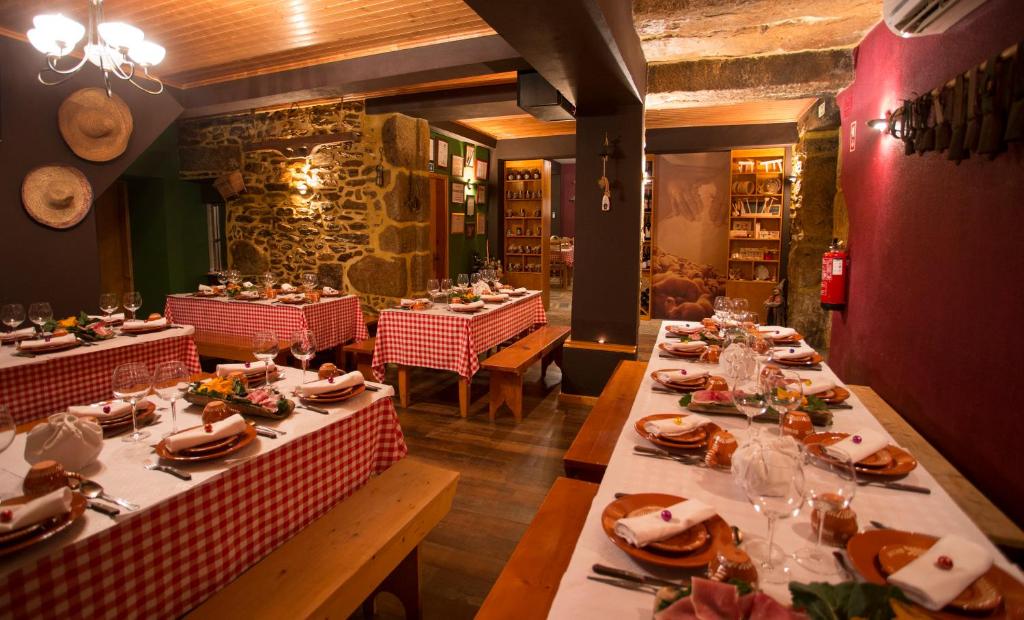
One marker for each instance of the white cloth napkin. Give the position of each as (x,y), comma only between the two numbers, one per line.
(679,425)
(231,425)
(687,347)
(247,284)
(933,587)
(408,303)
(466,307)
(675,376)
(688,328)
(331,385)
(482,288)
(641,531)
(292,297)
(203,288)
(330,291)
(249,294)
(253,368)
(817,387)
(498,297)
(110,409)
(18,333)
(287,287)
(521,290)
(39,509)
(791,354)
(870,442)
(774,331)
(113,318)
(43,343)
(138,324)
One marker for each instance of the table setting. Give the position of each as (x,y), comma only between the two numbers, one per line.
(811,516)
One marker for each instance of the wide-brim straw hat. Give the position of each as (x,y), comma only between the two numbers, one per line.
(57,196)
(95,126)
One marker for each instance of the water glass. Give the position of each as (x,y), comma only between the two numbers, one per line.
(12,315)
(303,348)
(40,313)
(269,280)
(170,380)
(309,281)
(433,288)
(222,277)
(131,382)
(773,481)
(446,286)
(749,400)
(739,306)
(131,301)
(784,392)
(829,486)
(234,276)
(265,346)
(108,303)
(463,281)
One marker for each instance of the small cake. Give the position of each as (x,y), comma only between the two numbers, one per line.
(797,424)
(215,411)
(328,370)
(840,525)
(720,450)
(732,563)
(155,316)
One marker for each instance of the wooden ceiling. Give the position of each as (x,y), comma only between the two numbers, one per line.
(212,41)
(748,113)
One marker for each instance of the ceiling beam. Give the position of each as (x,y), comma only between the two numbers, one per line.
(451,105)
(465,132)
(721,81)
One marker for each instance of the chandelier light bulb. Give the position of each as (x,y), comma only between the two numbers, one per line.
(120,35)
(45,44)
(64,32)
(147,53)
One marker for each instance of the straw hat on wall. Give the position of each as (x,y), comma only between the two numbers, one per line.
(95,126)
(57,196)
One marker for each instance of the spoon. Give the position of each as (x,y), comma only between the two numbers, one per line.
(93,490)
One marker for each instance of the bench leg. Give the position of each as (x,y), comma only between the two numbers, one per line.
(507,388)
(340,358)
(363,365)
(555,355)
(403,386)
(404,583)
(464,393)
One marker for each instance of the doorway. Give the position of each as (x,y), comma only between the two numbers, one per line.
(113,237)
(439,224)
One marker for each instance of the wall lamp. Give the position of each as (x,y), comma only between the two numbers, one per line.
(892,124)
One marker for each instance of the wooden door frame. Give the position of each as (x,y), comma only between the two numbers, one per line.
(444,178)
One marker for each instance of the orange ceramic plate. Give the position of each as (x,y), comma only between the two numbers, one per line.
(980,596)
(144,329)
(679,387)
(864,550)
(834,396)
(685,542)
(229,446)
(40,531)
(335,397)
(695,439)
(901,463)
(686,354)
(813,359)
(720,533)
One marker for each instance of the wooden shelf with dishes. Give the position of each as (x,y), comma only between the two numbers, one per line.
(647,237)
(526,224)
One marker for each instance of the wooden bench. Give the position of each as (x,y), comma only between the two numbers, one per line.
(529,581)
(367,543)
(362,356)
(227,346)
(508,366)
(997,526)
(587,458)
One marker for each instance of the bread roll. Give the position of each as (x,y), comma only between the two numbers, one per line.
(155,316)
(215,411)
(328,370)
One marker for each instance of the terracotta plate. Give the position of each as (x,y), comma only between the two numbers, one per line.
(686,542)
(813,359)
(981,595)
(794,339)
(878,464)
(684,331)
(144,411)
(719,532)
(693,440)
(865,551)
(679,387)
(686,354)
(202,452)
(834,396)
(335,397)
(19,539)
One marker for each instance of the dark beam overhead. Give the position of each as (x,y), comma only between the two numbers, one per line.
(718,137)
(451,105)
(465,132)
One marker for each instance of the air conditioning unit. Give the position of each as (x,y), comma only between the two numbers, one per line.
(916,18)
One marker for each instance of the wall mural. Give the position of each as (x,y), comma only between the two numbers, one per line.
(690,229)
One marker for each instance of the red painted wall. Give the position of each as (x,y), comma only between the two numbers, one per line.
(568,213)
(935,321)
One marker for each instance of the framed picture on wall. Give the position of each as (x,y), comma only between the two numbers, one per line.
(470,206)
(470,227)
(481,169)
(442,154)
(457,165)
(481,194)
(458,223)
(433,147)
(481,223)
(470,155)
(458,193)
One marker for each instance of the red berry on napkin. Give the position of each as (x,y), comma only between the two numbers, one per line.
(857,439)
(6,516)
(208,428)
(106,408)
(666,515)
(944,562)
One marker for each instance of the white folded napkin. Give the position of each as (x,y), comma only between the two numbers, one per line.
(18,333)
(849,448)
(247,284)
(774,331)
(140,324)
(292,297)
(687,328)
(110,409)
(791,354)
(249,294)
(408,303)
(251,368)
(205,289)
(499,297)
(331,385)
(330,291)
(39,509)
(286,287)
(227,427)
(817,387)
(641,531)
(466,307)
(113,318)
(44,343)
(676,376)
(521,290)
(933,587)
(679,425)
(687,347)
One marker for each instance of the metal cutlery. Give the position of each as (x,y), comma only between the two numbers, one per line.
(622,583)
(102,509)
(276,431)
(895,486)
(167,469)
(843,564)
(92,490)
(621,573)
(879,525)
(264,432)
(313,409)
(695,461)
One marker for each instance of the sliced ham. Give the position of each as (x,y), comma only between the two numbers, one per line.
(765,607)
(680,610)
(713,599)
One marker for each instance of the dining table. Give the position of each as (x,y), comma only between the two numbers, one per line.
(189,538)
(334,321)
(443,339)
(33,385)
(577,596)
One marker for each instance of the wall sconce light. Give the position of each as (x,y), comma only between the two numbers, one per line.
(380,169)
(892,124)
(603,183)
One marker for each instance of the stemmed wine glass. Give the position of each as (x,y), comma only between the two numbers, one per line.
(12,316)
(108,303)
(304,348)
(234,276)
(783,392)
(433,288)
(265,346)
(7,428)
(132,301)
(269,279)
(739,306)
(40,313)
(749,399)
(170,380)
(463,281)
(773,480)
(131,382)
(309,281)
(446,287)
(829,486)
(222,277)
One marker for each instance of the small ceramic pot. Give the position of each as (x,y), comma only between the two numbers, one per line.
(328,370)
(797,424)
(732,563)
(839,525)
(46,476)
(721,447)
(215,412)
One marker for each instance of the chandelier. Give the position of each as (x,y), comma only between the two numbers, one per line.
(116,48)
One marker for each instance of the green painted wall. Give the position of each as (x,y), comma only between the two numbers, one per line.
(168,225)
(460,247)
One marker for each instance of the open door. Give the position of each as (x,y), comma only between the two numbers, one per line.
(439,224)
(114,239)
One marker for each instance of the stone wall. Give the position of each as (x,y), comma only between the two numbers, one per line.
(315,206)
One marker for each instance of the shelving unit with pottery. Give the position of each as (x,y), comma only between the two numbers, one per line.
(647,236)
(526,227)
(757,187)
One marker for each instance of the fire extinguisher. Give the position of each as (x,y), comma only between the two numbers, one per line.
(835,267)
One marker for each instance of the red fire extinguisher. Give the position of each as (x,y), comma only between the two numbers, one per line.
(835,267)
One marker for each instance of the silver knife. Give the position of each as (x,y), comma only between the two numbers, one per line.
(314,409)
(262,432)
(899,486)
(174,471)
(110,511)
(620,573)
(629,585)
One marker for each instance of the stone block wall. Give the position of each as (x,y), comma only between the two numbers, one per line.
(318,207)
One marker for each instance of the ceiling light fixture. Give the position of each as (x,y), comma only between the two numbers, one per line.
(117,48)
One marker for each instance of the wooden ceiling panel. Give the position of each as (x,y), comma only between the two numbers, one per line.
(519,126)
(212,41)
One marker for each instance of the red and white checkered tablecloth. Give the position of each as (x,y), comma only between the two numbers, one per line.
(166,559)
(450,341)
(49,383)
(568,255)
(334,321)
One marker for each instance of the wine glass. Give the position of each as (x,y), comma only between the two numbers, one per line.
(446,286)
(463,281)
(131,382)
(829,486)
(12,316)
(170,380)
(749,399)
(304,348)
(784,392)
(235,276)
(268,279)
(7,428)
(773,480)
(309,281)
(738,307)
(222,277)
(265,346)
(108,303)
(132,301)
(40,313)
(433,288)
